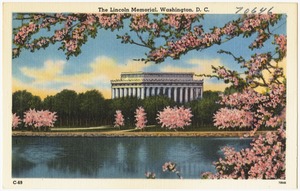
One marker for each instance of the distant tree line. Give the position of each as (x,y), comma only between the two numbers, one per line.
(92,109)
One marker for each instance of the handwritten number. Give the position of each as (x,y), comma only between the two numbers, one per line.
(269,11)
(262,10)
(239,9)
(253,11)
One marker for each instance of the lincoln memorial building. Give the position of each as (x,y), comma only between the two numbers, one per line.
(179,86)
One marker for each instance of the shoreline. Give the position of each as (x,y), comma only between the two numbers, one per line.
(135,134)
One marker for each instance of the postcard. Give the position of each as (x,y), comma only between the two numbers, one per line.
(149,95)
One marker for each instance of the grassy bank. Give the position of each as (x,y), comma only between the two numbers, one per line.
(135,133)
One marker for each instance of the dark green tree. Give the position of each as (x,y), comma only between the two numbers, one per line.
(66,106)
(92,107)
(23,100)
(204,109)
(48,103)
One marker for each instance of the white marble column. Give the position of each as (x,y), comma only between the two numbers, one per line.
(180,94)
(125,92)
(197,93)
(153,91)
(191,94)
(129,91)
(169,92)
(164,90)
(186,95)
(158,91)
(121,92)
(138,93)
(201,93)
(147,91)
(116,92)
(142,92)
(175,94)
(134,92)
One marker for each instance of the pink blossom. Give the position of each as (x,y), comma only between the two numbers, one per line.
(71,45)
(119,119)
(179,21)
(140,118)
(140,21)
(174,118)
(281,41)
(38,119)
(227,118)
(60,34)
(227,75)
(15,121)
(264,160)
(112,21)
(24,32)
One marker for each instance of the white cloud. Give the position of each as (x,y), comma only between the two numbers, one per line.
(103,69)
(50,78)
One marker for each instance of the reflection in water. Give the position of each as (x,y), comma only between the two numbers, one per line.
(78,157)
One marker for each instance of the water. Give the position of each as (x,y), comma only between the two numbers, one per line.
(127,157)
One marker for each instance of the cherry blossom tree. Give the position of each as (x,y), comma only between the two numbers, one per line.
(15,121)
(39,120)
(264,160)
(175,118)
(119,119)
(140,118)
(73,30)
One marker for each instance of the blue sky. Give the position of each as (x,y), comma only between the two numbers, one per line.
(46,72)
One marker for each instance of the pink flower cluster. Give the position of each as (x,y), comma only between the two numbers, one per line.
(281,41)
(169,166)
(257,63)
(158,55)
(140,118)
(230,29)
(15,121)
(252,108)
(244,100)
(24,32)
(38,119)
(77,30)
(71,45)
(186,42)
(254,21)
(150,175)
(111,21)
(174,118)
(227,75)
(199,40)
(265,160)
(139,21)
(60,34)
(228,118)
(250,24)
(179,21)
(119,119)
